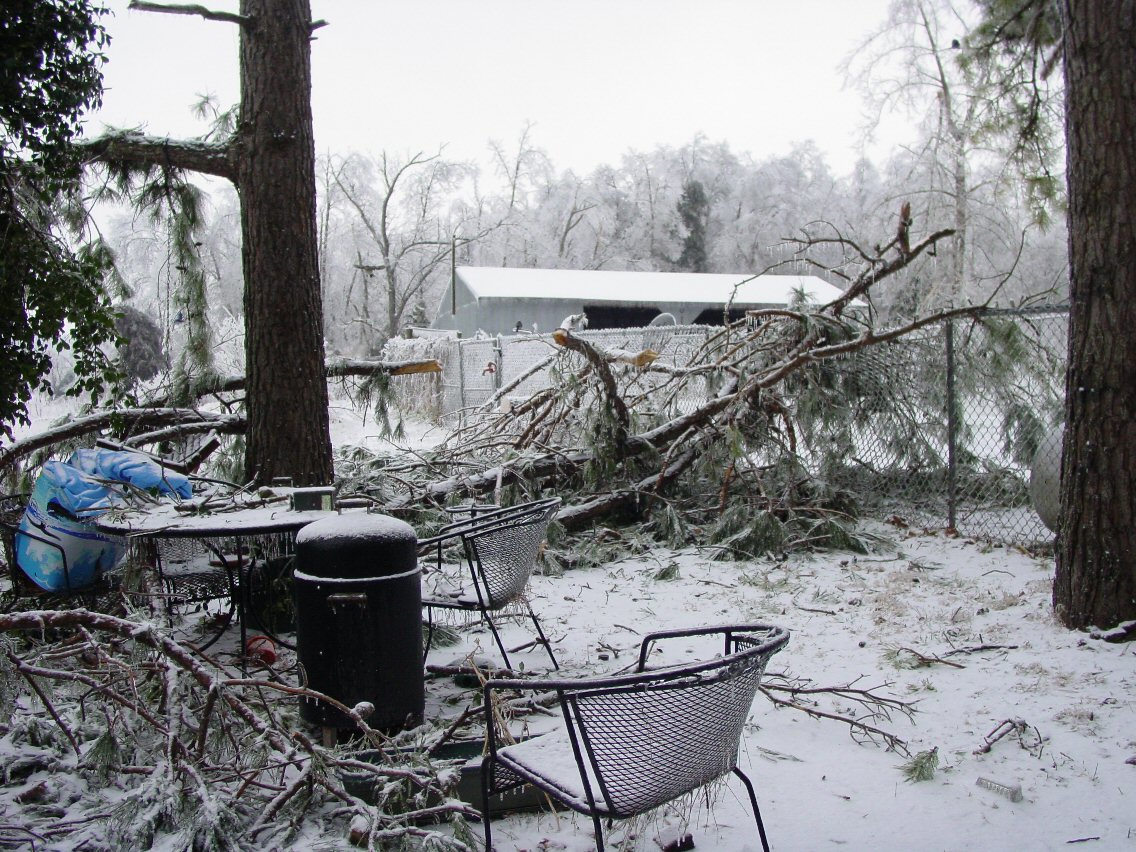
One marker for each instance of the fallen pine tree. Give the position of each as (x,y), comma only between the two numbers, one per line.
(146,743)
(614,433)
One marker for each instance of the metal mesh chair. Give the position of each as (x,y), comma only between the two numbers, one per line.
(189,572)
(192,576)
(219,575)
(630,743)
(11,511)
(501,548)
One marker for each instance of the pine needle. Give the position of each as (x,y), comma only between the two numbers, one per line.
(922,767)
(668,572)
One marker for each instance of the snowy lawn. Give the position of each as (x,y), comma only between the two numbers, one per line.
(960,630)
(870,621)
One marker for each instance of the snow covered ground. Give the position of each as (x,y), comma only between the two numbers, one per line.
(1064,697)
(1060,700)
(960,629)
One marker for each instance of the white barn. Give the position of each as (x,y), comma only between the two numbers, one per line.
(501,300)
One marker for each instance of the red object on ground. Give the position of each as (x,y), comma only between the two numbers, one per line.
(261,648)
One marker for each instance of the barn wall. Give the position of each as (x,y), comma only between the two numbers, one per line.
(500,316)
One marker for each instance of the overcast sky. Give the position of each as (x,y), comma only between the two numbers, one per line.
(595,78)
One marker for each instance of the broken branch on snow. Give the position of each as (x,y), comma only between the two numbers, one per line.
(210,753)
(877,707)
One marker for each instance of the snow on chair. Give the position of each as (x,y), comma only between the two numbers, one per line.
(630,743)
(501,548)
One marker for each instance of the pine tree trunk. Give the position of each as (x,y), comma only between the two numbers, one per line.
(1096,554)
(288,433)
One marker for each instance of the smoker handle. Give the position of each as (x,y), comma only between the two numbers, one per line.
(358,599)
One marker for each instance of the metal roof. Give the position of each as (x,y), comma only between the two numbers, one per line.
(495,282)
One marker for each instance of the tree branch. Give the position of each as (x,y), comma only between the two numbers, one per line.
(580,515)
(123,421)
(347,367)
(131,148)
(200,11)
(597,359)
(877,273)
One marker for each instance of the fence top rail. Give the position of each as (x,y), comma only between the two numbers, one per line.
(1032,310)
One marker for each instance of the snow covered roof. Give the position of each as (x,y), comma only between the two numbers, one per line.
(640,287)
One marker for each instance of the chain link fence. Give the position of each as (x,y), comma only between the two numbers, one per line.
(937,429)
(946,423)
(481,368)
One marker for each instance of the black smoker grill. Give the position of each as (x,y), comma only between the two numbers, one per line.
(359,619)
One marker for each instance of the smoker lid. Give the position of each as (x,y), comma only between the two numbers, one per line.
(356,544)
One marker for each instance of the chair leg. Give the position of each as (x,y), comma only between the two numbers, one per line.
(543,639)
(233,613)
(429,633)
(242,614)
(168,588)
(217,634)
(597,827)
(756,810)
(486,769)
(497,636)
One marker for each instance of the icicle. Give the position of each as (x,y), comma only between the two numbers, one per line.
(1013,792)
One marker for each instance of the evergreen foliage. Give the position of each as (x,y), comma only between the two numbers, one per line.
(166,197)
(694,213)
(141,353)
(54,296)
(922,766)
(1021,40)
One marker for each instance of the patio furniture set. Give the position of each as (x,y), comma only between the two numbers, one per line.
(622,745)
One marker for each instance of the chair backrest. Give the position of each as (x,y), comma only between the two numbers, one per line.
(503,549)
(181,550)
(654,737)
(12,508)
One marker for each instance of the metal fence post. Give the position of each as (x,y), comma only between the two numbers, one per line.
(461,381)
(499,362)
(952,428)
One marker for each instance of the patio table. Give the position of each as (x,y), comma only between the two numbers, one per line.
(235,539)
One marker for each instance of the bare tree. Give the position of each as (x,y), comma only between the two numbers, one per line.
(409,236)
(917,64)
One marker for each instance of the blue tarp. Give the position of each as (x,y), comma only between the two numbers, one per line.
(60,550)
(139,470)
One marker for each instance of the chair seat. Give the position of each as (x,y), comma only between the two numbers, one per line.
(547,761)
(445,593)
(196,583)
(105,596)
(460,600)
(444,590)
